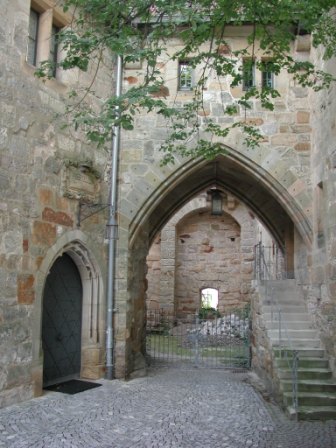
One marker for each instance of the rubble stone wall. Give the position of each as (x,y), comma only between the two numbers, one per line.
(197,250)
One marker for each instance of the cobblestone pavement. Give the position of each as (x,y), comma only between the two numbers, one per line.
(169,408)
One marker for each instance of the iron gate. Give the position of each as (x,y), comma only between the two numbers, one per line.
(216,342)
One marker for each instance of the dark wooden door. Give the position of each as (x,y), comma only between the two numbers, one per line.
(61,322)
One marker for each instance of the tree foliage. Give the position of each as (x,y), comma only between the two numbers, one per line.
(140,30)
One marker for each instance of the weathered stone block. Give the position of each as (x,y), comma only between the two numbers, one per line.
(254,121)
(43,233)
(61,218)
(12,243)
(26,292)
(302,146)
(302,117)
(92,372)
(301,129)
(284,140)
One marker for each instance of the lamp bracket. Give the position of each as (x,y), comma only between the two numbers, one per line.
(85,210)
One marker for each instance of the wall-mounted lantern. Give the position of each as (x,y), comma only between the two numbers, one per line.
(216,202)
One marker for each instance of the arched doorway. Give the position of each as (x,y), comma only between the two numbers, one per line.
(147,209)
(61,322)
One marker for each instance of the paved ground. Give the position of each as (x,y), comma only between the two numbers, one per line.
(169,408)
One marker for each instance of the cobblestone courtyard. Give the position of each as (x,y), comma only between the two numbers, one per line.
(169,408)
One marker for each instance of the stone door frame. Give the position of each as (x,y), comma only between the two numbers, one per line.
(74,244)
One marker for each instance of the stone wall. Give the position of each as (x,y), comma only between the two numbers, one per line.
(45,170)
(288,183)
(321,293)
(261,349)
(208,255)
(196,250)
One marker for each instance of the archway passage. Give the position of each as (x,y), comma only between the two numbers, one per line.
(61,322)
(264,191)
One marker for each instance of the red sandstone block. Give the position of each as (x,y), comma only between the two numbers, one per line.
(57,217)
(44,233)
(25,289)
(25,245)
(131,79)
(45,196)
(303,146)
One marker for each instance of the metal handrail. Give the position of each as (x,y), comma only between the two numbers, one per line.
(262,267)
(272,268)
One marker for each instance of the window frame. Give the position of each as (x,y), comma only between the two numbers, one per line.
(34,39)
(185,63)
(46,47)
(53,53)
(250,63)
(264,73)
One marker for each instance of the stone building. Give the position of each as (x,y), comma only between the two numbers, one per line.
(50,176)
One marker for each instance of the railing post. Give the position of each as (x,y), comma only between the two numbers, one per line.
(295,365)
(280,336)
(196,339)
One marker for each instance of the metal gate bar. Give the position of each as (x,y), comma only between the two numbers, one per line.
(218,342)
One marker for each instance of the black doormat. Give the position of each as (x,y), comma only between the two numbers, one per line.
(72,387)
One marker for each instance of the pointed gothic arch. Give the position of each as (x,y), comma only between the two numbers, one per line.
(269,191)
(265,193)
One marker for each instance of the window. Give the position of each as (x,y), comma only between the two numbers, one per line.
(209,298)
(32,37)
(185,75)
(46,19)
(248,74)
(267,76)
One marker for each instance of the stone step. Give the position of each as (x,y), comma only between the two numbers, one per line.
(289,283)
(304,316)
(304,373)
(280,295)
(324,386)
(315,412)
(279,299)
(297,344)
(293,334)
(312,399)
(316,387)
(285,308)
(290,325)
(304,362)
(303,352)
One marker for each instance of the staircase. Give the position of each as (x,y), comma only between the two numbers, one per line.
(316,388)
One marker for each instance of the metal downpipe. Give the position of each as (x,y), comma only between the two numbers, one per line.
(112,232)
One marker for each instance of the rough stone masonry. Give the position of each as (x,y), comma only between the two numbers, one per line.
(49,173)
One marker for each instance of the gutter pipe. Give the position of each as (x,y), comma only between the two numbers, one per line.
(112,231)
